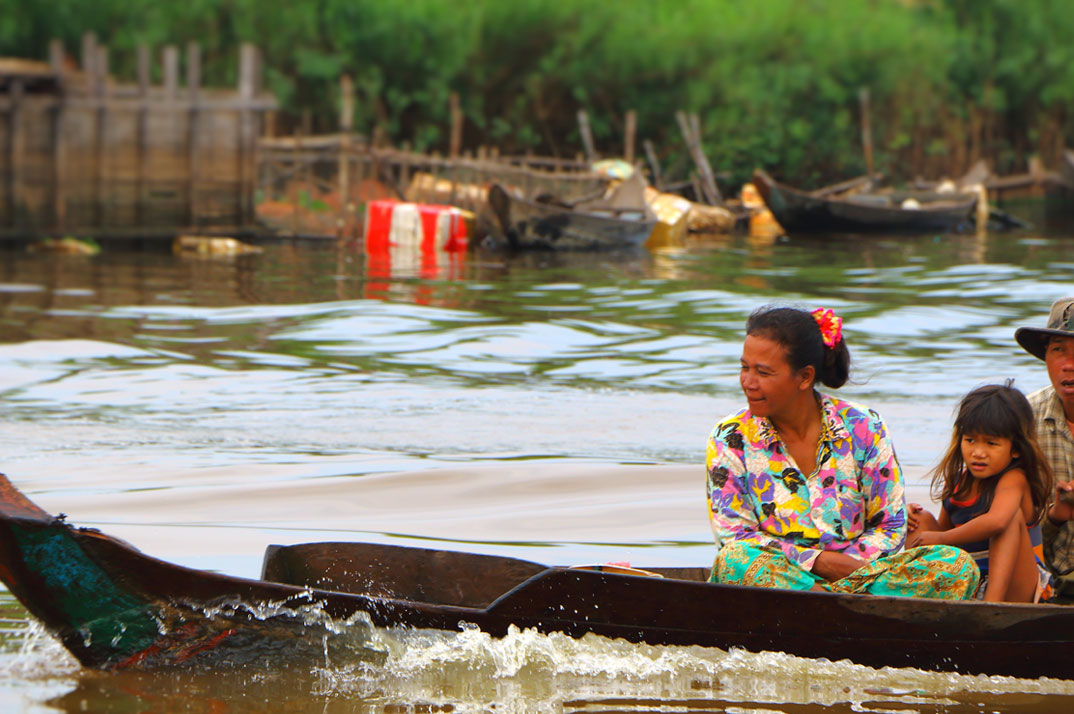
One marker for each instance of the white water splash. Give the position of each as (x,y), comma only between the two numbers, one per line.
(525,668)
(39,655)
(34,667)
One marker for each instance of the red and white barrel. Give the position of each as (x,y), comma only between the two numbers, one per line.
(419,228)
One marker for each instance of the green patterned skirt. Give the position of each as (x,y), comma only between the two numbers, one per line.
(933,571)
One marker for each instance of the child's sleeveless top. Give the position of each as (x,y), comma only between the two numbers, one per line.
(964,511)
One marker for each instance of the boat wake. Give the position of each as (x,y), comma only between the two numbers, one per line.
(525,667)
(349,661)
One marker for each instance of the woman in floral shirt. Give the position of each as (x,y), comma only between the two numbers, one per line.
(804,489)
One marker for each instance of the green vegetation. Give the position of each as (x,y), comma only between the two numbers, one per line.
(775,82)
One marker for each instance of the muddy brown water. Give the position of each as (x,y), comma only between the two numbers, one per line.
(548,407)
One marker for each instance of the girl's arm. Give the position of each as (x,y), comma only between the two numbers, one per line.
(930,524)
(917,518)
(1007,500)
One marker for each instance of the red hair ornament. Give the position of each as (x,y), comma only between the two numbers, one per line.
(831,326)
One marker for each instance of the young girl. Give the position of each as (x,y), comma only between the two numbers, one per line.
(994,484)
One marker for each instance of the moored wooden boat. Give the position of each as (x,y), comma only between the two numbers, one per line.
(114,607)
(805,212)
(621,221)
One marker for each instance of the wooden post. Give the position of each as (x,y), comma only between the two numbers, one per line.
(456,126)
(14,151)
(89,54)
(141,205)
(59,151)
(866,129)
(530,191)
(102,91)
(346,105)
(167,177)
(690,128)
(248,72)
(654,164)
(453,168)
(707,177)
(306,162)
(193,86)
(363,166)
(295,203)
(404,170)
(587,136)
(696,183)
(171,73)
(56,56)
(630,129)
(346,126)
(269,128)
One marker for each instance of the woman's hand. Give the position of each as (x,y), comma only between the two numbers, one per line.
(834,566)
(917,518)
(1063,508)
(925,537)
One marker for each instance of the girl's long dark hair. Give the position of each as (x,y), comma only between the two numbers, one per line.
(996,410)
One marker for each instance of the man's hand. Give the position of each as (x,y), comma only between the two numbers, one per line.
(1063,508)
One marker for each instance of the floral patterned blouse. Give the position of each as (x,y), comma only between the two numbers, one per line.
(853,503)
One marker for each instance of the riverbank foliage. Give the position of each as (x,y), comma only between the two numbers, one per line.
(775,83)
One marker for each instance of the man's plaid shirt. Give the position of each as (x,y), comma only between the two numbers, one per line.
(1057,443)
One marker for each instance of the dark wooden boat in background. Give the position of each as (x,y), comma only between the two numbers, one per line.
(114,607)
(621,220)
(867,212)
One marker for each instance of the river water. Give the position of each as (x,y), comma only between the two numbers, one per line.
(549,407)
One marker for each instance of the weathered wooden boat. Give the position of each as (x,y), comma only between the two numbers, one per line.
(114,607)
(866,212)
(620,221)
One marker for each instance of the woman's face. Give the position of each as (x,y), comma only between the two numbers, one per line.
(767,380)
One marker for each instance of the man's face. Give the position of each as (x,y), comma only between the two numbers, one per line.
(1059,357)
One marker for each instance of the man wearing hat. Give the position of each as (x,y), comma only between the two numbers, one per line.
(1054,409)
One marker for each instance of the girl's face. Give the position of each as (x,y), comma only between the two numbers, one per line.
(986,455)
(767,379)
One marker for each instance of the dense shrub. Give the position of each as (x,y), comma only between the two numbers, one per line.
(775,82)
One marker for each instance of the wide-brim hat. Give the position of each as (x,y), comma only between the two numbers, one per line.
(1060,323)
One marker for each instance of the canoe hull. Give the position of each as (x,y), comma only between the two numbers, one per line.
(683,609)
(114,607)
(799,212)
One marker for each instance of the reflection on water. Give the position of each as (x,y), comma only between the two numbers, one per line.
(551,407)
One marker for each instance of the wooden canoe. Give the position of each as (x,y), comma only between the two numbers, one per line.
(804,212)
(114,607)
